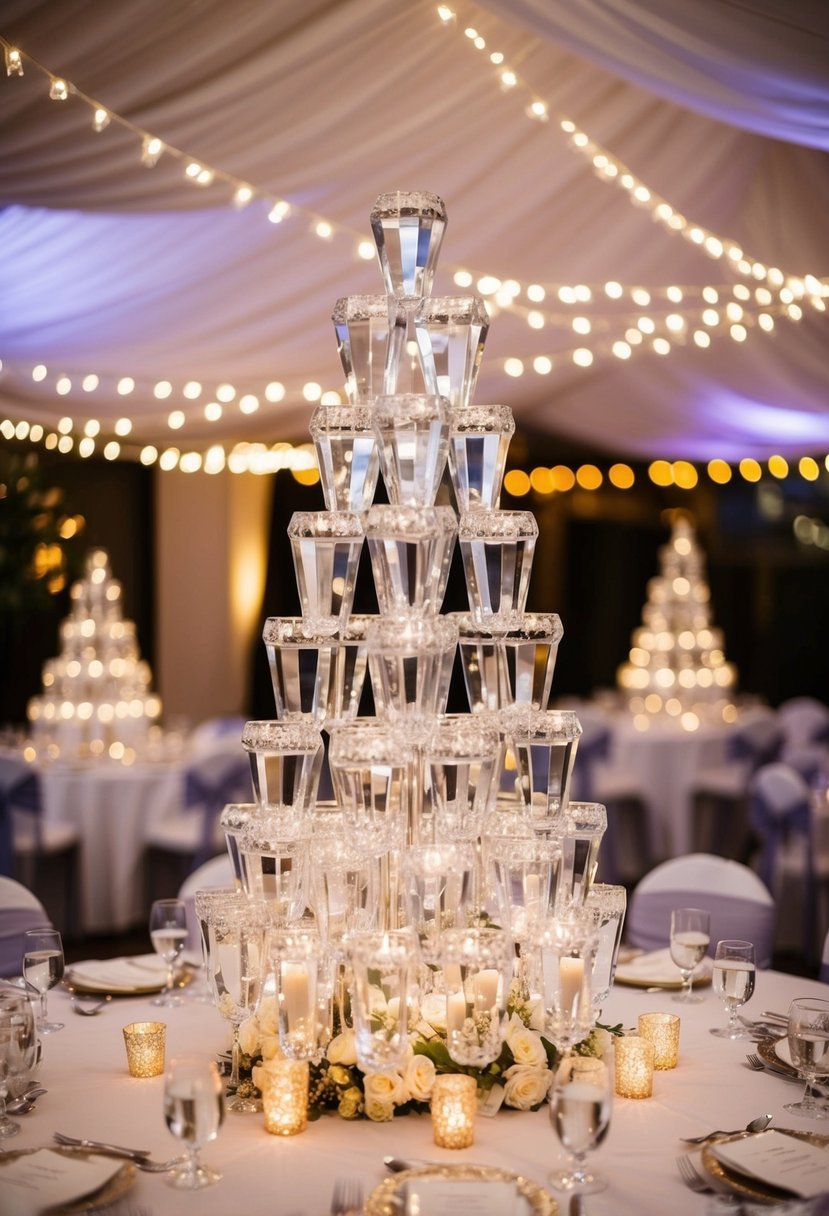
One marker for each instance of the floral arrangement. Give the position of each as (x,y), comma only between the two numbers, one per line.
(520,1077)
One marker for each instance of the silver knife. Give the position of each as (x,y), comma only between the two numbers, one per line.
(117,1150)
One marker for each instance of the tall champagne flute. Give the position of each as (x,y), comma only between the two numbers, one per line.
(43,969)
(168,933)
(808,1034)
(194,1111)
(734,973)
(690,938)
(581,1100)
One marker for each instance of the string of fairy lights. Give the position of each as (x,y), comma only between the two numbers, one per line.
(589,321)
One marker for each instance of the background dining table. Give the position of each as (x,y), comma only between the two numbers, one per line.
(90,1094)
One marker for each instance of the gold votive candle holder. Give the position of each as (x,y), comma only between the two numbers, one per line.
(285,1097)
(661,1029)
(454,1104)
(634,1066)
(145,1042)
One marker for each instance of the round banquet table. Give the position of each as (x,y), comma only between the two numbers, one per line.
(91,1095)
(665,762)
(113,806)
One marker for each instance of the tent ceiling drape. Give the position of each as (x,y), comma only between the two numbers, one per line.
(113,268)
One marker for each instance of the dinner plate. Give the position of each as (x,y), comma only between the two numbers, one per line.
(776,1053)
(657,970)
(112,1190)
(744,1184)
(119,976)
(389,1199)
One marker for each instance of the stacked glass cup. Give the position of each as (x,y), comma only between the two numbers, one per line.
(450,857)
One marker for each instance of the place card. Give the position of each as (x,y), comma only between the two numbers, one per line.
(781,1161)
(47,1179)
(464,1197)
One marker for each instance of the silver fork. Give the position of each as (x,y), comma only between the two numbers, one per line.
(347,1199)
(691,1176)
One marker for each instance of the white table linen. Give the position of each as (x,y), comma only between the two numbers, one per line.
(90,1094)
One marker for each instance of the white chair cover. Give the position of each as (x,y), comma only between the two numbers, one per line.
(804,721)
(19,910)
(740,905)
(217,872)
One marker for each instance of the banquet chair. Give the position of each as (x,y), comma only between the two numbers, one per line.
(217,872)
(804,720)
(739,903)
(823,974)
(19,910)
(181,842)
(783,819)
(214,732)
(720,794)
(43,855)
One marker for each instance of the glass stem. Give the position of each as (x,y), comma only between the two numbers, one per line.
(235,1053)
(170,979)
(43,1011)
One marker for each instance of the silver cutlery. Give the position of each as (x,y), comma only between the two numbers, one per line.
(25,1103)
(347,1199)
(756,1125)
(396,1164)
(691,1176)
(116,1150)
(89,1006)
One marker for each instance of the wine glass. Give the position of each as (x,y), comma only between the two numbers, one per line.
(17,1043)
(581,1101)
(690,937)
(734,974)
(43,969)
(168,933)
(808,1033)
(194,1111)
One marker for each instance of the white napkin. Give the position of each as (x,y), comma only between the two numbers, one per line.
(45,1179)
(782,1161)
(464,1197)
(657,968)
(144,971)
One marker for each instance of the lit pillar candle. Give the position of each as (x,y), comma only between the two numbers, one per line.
(455,1010)
(571,979)
(485,986)
(296,992)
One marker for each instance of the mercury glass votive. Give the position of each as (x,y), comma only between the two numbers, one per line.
(451,332)
(497,548)
(145,1043)
(634,1066)
(285,1097)
(411,552)
(326,549)
(412,432)
(454,1104)
(479,438)
(347,455)
(662,1030)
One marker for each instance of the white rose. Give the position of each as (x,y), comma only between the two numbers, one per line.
(384,1087)
(270,1047)
(342,1049)
(268,1015)
(525,1045)
(249,1036)
(535,1011)
(525,1087)
(419,1078)
(433,1011)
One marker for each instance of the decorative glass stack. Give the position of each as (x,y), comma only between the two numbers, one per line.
(677,667)
(97,699)
(450,863)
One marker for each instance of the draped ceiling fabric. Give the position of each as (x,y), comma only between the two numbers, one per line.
(106,266)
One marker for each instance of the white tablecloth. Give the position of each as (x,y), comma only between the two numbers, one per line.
(90,1094)
(666,762)
(113,807)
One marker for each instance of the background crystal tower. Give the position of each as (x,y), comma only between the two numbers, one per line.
(677,665)
(96,697)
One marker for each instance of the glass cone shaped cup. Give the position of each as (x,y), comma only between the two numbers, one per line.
(315,675)
(347,455)
(326,548)
(285,761)
(369,341)
(540,753)
(510,667)
(410,663)
(479,439)
(411,552)
(412,432)
(451,332)
(408,228)
(497,548)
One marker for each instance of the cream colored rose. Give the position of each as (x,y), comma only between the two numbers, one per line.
(270,1047)
(384,1087)
(433,1011)
(249,1037)
(342,1049)
(350,1103)
(535,1012)
(525,1045)
(261,1075)
(379,1111)
(525,1087)
(419,1078)
(268,1015)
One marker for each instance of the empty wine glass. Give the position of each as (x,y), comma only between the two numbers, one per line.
(581,1101)
(194,1111)
(43,969)
(168,933)
(690,938)
(734,973)
(808,1034)
(18,1042)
